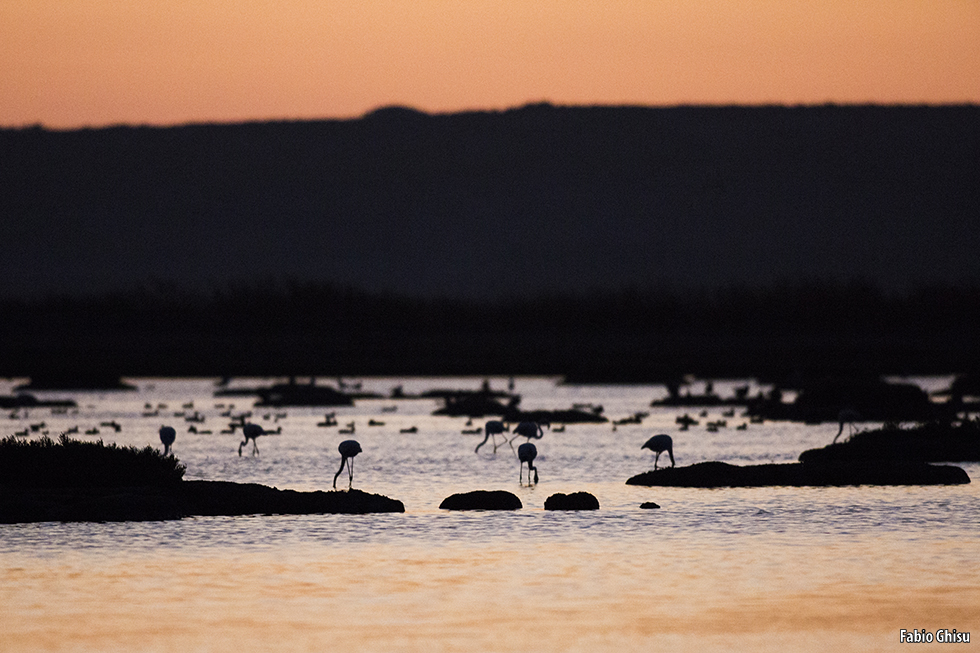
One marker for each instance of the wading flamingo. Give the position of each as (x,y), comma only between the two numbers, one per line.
(492,430)
(527,452)
(847,416)
(251,432)
(167,436)
(348,449)
(530,430)
(659,444)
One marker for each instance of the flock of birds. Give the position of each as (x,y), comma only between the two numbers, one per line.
(526,452)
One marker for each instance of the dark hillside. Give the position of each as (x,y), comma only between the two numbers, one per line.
(601,242)
(489,205)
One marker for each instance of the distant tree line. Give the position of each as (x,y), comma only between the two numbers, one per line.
(631,335)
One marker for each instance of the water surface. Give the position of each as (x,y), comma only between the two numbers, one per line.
(722,569)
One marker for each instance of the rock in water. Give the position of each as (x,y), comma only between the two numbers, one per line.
(573,501)
(482,500)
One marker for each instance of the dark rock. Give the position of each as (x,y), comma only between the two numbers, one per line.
(483,404)
(570,416)
(647,505)
(23,505)
(482,500)
(932,442)
(822,400)
(471,405)
(295,394)
(186,499)
(224,498)
(74,379)
(25,400)
(573,501)
(718,474)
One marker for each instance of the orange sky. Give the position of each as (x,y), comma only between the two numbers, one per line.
(69,63)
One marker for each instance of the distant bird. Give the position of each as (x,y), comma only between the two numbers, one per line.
(847,416)
(492,430)
(348,449)
(410,429)
(686,421)
(348,430)
(167,436)
(251,432)
(659,444)
(527,452)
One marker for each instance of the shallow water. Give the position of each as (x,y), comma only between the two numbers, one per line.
(723,569)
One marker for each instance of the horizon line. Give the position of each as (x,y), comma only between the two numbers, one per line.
(40,125)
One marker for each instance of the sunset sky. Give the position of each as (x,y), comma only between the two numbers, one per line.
(70,63)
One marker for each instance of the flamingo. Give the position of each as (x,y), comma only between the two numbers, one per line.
(348,449)
(847,416)
(251,432)
(167,436)
(527,452)
(530,430)
(492,429)
(659,444)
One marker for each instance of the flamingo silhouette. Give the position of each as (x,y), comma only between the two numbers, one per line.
(348,449)
(530,430)
(527,452)
(847,416)
(492,429)
(251,432)
(659,444)
(167,436)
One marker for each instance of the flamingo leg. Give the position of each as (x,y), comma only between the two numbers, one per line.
(350,473)
(343,460)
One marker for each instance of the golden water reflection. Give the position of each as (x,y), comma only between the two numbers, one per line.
(545,597)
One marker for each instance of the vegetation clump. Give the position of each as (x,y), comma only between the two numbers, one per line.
(927,442)
(45,463)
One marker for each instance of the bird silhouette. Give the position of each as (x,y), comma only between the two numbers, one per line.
(527,452)
(529,430)
(251,432)
(167,436)
(847,416)
(492,430)
(348,449)
(659,444)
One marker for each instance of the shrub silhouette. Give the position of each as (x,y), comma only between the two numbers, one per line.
(73,463)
